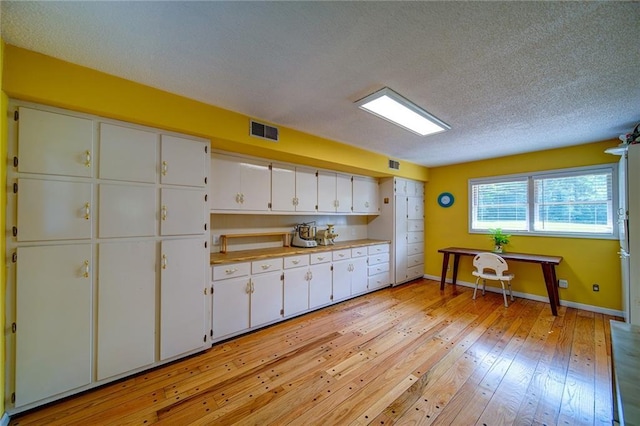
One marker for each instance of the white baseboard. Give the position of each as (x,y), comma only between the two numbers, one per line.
(4,421)
(568,303)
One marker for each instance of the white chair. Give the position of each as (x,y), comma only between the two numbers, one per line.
(490,266)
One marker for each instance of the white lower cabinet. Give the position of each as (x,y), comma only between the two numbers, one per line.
(231,306)
(126,307)
(319,285)
(266,298)
(182,297)
(54,290)
(296,284)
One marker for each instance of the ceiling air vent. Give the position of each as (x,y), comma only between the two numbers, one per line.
(395,165)
(264,131)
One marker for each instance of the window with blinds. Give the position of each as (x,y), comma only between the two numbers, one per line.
(578,202)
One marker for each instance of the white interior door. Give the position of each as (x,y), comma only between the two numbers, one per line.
(54,144)
(127,211)
(182,212)
(126,307)
(54,210)
(127,154)
(53,317)
(183,161)
(182,300)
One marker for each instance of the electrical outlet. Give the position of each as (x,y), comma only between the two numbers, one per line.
(215,239)
(563,283)
(596,287)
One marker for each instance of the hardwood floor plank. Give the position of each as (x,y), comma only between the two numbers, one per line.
(411,354)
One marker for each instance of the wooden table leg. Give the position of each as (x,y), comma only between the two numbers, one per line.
(456,261)
(445,264)
(549,273)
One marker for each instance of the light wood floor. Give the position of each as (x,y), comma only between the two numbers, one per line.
(406,355)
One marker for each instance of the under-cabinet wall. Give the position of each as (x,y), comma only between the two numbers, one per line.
(108,237)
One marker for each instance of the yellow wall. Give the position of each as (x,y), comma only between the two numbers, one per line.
(3,204)
(34,77)
(585,261)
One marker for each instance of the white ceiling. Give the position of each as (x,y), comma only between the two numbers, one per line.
(509,77)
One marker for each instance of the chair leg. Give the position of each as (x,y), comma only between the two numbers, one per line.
(484,286)
(475,289)
(504,294)
(510,291)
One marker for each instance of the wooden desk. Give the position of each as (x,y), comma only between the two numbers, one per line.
(625,360)
(548,264)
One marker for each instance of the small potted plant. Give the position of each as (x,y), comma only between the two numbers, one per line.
(499,239)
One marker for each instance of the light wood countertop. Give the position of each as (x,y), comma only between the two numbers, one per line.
(249,255)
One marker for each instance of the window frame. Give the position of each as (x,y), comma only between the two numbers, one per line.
(547,174)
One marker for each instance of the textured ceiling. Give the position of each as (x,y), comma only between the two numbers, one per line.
(509,77)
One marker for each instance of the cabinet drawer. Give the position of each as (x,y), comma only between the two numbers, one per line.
(266,265)
(296,261)
(380,248)
(358,252)
(415,248)
(415,272)
(415,225)
(415,259)
(322,257)
(415,237)
(378,281)
(378,269)
(231,270)
(341,254)
(379,258)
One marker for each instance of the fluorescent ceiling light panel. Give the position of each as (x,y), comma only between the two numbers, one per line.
(391,106)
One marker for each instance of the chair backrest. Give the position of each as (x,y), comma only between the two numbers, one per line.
(490,261)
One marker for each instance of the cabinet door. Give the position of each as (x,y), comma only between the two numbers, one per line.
(401,242)
(54,144)
(53,317)
(359,275)
(126,307)
(343,193)
(415,208)
(255,185)
(126,211)
(327,191)
(319,285)
(127,154)
(266,298)
(224,185)
(182,301)
(296,291)
(306,190)
(365,195)
(341,279)
(183,161)
(283,187)
(182,212)
(230,306)
(54,210)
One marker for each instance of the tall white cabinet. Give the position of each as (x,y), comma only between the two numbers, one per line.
(108,249)
(401,220)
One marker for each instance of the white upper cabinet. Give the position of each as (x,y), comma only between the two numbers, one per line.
(54,210)
(54,144)
(182,212)
(126,211)
(127,154)
(239,184)
(415,208)
(183,161)
(293,189)
(334,192)
(365,195)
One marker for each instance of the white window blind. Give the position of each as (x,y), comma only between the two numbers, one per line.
(577,202)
